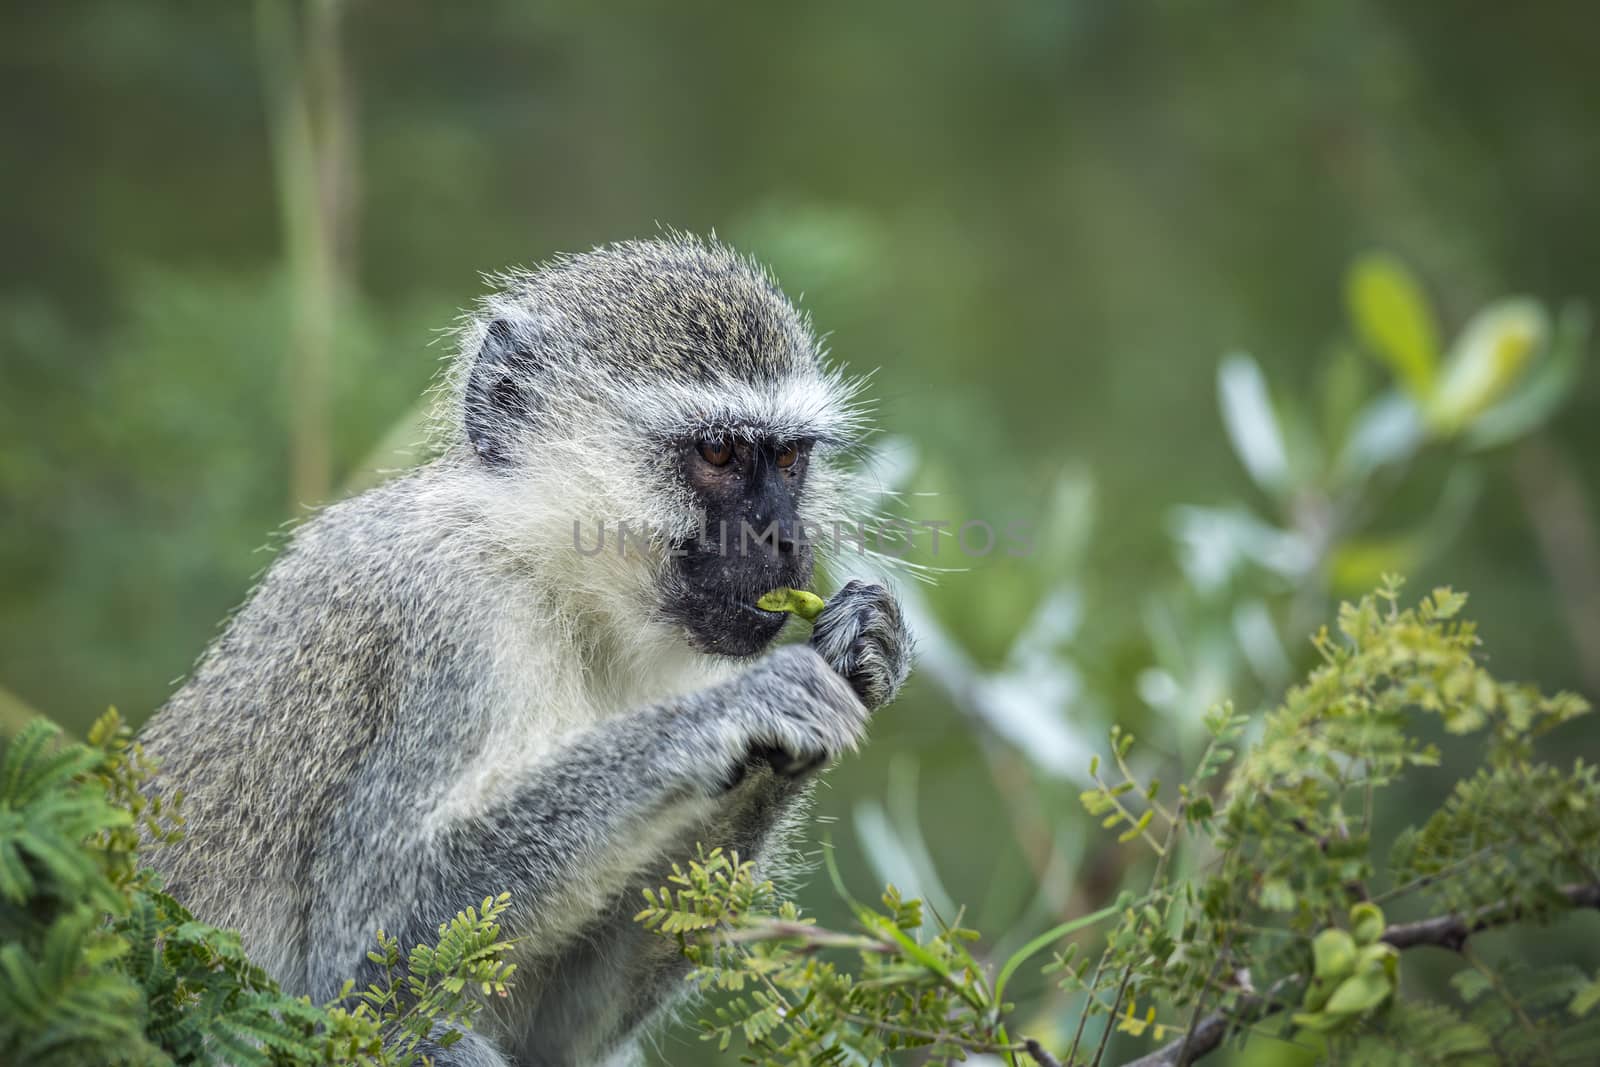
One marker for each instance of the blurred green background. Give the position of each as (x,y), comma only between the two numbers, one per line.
(233,233)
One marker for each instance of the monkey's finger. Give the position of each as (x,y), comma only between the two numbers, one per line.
(800,766)
(788,764)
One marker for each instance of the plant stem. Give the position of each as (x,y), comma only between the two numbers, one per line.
(1446,931)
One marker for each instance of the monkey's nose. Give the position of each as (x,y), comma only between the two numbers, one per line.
(778,536)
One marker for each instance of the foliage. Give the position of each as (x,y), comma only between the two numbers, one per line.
(97,965)
(914,987)
(1116,231)
(1269,897)
(1328,466)
(430,991)
(1509,370)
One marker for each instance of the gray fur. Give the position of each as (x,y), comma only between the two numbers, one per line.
(863,635)
(430,698)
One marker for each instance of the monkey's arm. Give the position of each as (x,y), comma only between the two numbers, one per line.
(862,635)
(581,834)
(607,982)
(575,827)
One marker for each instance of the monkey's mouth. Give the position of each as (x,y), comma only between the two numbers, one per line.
(769,622)
(725,625)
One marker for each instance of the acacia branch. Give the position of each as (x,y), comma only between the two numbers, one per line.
(1452,931)
(1447,931)
(1206,1035)
(812,937)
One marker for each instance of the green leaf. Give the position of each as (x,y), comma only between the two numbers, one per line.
(1277,895)
(1471,984)
(1343,387)
(1487,360)
(1585,999)
(800,602)
(1548,384)
(1366,923)
(1392,316)
(1252,425)
(1360,993)
(1387,430)
(1447,603)
(1334,954)
(1360,562)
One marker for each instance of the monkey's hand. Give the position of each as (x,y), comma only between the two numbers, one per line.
(863,636)
(796,715)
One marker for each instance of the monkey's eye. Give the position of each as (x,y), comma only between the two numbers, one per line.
(787,455)
(716,453)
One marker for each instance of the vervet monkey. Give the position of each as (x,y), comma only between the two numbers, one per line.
(441,690)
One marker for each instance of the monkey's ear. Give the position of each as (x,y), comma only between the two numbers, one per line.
(500,398)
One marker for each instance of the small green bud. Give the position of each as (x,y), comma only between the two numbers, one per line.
(1334,952)
(1380,957)
(1367,923)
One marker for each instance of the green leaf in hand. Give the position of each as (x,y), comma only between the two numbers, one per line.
(796,601)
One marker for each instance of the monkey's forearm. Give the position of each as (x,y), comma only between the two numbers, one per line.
(615,973)
(595,815)
(593,803)
(569,834)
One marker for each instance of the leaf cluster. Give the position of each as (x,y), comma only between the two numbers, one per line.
(98,965)
(1269,903)
(798,994)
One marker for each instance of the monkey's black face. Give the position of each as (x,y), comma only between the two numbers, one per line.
(751,541)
